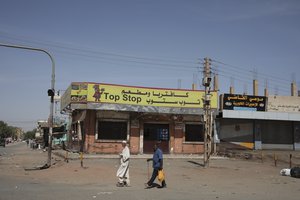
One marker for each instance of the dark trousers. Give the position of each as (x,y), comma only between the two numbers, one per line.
(153,177)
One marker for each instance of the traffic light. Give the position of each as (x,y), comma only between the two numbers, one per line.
(51,94)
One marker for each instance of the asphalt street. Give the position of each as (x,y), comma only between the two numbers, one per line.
(186,178)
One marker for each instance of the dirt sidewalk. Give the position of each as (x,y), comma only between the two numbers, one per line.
(230,178)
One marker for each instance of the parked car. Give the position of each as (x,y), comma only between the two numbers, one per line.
(2,142)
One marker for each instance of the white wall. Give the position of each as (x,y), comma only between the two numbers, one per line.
(283,104)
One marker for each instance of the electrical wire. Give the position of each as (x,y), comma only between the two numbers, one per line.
(250,71)
(90,51)
(157,63)
(275,82)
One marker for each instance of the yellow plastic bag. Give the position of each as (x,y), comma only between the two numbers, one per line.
(161,175)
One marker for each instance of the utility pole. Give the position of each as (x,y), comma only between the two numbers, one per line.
(206,82)
(51,93)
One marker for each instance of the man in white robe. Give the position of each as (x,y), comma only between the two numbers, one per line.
(123,171)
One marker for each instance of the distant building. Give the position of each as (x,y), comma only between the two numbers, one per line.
(42,133)
(19,134)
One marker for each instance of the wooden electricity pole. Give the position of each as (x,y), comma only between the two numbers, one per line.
(206,82)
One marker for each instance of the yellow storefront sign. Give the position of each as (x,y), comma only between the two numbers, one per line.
(141,96)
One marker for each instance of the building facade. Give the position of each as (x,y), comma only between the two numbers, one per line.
(260,122)
(105,114)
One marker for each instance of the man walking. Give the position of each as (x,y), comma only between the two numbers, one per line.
(157,165)
(123,171)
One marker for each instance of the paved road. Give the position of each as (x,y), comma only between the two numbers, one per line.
(186,179)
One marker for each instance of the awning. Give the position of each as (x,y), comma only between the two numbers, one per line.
(235,114)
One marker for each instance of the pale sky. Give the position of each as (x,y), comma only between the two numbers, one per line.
(149,43)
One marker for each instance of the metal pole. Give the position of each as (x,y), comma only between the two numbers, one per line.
(52,88)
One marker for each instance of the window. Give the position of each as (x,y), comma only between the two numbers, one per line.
(156,132)
(112,130)
(194,133)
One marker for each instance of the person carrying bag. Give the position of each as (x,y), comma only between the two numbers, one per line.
(157,168)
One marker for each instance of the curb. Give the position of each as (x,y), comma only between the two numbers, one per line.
(76,156)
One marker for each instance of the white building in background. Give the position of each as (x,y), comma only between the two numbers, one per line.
(260,122)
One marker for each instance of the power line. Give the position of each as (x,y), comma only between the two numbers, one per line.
(153,64)
(89,51)
(112,58)
(240,72)
(243,70)
(250,83)
(156,63)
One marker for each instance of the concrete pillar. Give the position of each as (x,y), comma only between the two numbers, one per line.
(231,90)
(216,83)
(141,138)
(194,86)
(293,89)
(255,87)
(221,101)
(266,92)
(245,89)
(257,136)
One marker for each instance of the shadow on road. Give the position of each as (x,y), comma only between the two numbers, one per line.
(196,163)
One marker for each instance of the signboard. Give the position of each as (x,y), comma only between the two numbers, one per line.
(284,104)
(244,102)
(140,96)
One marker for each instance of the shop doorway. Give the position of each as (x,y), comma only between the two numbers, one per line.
(154,133)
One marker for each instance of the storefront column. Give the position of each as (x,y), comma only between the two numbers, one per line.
(257,136)
(297,136)
(134,137)
(141,139)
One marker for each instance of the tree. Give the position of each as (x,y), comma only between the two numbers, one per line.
(7,131)
(3,130)
(30,134)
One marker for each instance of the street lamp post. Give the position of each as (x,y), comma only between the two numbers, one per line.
(50,93)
